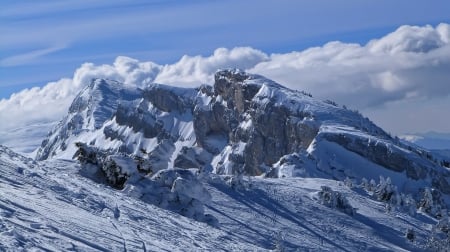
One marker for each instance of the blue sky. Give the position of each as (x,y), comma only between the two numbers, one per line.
(46,40)
(391,62)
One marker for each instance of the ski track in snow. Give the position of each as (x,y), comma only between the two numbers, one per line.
(49,206)
(55,209)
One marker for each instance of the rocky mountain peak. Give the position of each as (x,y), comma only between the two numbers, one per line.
(243,124)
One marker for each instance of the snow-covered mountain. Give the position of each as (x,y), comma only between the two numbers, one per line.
(244,124)
(243,165)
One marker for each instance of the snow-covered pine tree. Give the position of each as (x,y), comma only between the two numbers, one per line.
(426,203)
(334,199)
(385,190)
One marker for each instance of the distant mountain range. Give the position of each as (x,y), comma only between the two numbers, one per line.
(429,140)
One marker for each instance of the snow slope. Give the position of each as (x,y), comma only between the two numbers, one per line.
(50,206)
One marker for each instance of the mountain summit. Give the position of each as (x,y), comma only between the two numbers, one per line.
(245,124)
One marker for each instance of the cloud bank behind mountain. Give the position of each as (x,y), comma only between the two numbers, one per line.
(401,80)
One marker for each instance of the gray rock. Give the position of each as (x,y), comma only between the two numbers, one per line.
(245,123)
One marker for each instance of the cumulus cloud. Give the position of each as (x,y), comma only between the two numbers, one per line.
(198,69)
(411,39)
(37,105)
(409,64)
(41,105)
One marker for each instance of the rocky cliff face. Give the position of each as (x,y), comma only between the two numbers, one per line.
(244,124)
(259,129)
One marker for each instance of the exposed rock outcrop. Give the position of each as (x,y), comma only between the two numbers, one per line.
(243,124)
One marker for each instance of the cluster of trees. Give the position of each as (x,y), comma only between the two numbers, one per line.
(428,201)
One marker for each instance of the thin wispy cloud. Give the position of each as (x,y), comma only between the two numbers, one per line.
(20,9)
(80,21)
(29,57)
(95,26)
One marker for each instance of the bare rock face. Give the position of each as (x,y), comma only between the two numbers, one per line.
(259,131)
(244,124)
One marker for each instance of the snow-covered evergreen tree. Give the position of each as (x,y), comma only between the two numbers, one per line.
(372,185)
(349,182)
(334,199)
(365,184)
(385,190)
(426,203)
(408,204)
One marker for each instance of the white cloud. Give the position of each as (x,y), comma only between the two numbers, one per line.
(411,39)
(406,67)
(411,62)
(50,103)
(198,69)
(37,104)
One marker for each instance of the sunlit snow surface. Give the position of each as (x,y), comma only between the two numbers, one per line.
(50,206)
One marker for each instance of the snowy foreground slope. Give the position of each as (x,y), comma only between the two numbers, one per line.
(51,206)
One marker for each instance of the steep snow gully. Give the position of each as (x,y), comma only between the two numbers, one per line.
(244,165)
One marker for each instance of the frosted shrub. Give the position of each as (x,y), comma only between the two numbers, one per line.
(87,154)
(116,170)
(440,244)
(335,199)
(408,204)
(238,183)
(179,190)
(349,182)
(432,202)
(410,235)
(372,186)
(365,184)
(444,224)
(385,190)
(426,203)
